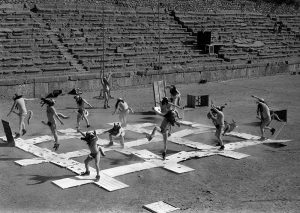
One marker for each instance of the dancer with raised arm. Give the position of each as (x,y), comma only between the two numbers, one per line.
(106,88)
(91,139)
(82,113)
(52,115)
(170,119)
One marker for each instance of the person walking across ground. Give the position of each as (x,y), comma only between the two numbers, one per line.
(263,112)
(82,113)
(91,139)
(20,105)
(123,110)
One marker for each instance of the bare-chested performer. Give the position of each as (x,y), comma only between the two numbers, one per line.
(165,128)
(123,110)
(106,89)
(175,95)
(165,107)
(263,111)
(82,113)
(91,139)
(117,132)
(51,115)
(217,117)
(20,105)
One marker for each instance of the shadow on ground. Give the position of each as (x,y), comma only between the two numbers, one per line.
(145,113)
(274,145)
(42,179)
(127,160)
(255,124)
(10,159)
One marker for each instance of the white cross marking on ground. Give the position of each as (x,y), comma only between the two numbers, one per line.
(107,180)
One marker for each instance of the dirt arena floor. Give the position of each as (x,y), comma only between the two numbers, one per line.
(266,181)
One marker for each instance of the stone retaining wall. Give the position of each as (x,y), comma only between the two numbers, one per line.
(41,86)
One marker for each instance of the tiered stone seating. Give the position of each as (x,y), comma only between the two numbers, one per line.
(291,21)
(25,48)
(137,38)
(238,32)
(134,40)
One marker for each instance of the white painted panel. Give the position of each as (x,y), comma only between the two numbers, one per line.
(122,170)
(177,168)
(190,143)
(182,133)
(275,141)
(75,154)
(186,123)
(197,125)
(145,154)
(70,182)
(66,137)
(200,131)
(40,139)
(160,207)
(234,155)
(241,144)
(243,135)
(3,138)
(109,183)
(69,130)
(26,162)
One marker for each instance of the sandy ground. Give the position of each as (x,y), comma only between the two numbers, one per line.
(267,181)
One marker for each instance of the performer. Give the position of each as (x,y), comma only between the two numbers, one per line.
(91,139)
(217,117)
(106,89)
(175,95)
(51,115)
(263,112)
(166,106)
(117,132)
(165,128)
(229,127)
(20,105)
(82,113)
(123,110)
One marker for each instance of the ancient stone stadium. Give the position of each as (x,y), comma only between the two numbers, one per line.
(129,106)
(47,45)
